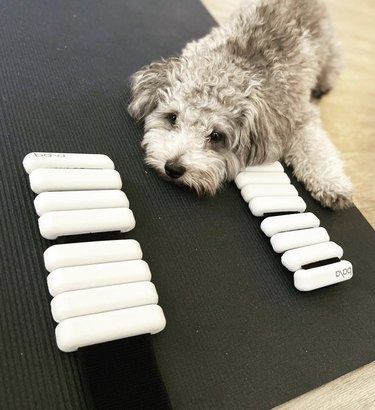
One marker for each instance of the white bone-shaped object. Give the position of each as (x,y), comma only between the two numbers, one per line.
(96,300)
(62,223)
(86,253)
(252,191)
(49,179)
(74,200)
(271,204)
(96,275)
(245,178)
(81,331)
(284,241)
(296,234)
(35,160)
(275,224)
(102,290)
(294,259)
(315,278)
(270,167)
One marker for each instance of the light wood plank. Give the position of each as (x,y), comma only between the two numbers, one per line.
(353,391)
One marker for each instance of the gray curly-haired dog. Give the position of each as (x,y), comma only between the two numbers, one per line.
(243,95)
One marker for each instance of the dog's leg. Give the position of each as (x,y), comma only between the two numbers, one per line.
(318,166)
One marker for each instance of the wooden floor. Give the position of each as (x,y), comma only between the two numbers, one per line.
(348,116)
(348,111)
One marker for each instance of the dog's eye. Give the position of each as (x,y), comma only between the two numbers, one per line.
(172,118)
(216,137)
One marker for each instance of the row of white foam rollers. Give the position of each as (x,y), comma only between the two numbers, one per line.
(74,201)
(268,190)
(102,290)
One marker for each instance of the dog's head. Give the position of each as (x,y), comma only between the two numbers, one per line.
(202,120)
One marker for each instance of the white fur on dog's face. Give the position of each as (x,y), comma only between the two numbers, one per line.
(179,133)
(214,131)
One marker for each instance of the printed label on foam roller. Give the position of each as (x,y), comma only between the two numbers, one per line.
(36,160)
(346,273)
(48,154)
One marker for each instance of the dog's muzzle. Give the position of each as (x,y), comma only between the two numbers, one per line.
(174,170)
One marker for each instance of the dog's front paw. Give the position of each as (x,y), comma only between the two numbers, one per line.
(336,199)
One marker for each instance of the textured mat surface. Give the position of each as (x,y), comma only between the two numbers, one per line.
(238,334)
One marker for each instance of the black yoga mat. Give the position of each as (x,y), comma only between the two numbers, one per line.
(238,334)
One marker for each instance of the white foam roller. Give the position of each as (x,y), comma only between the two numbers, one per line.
(48,179)
(284,241)
(270,167)
(35,160)
(315,278)
(81,331)
(275,224)
(272,204)
(73,200)
(62,223)
(86,253)
(245,178)
(96,300)
(251,191)
(294,259)
(100,274)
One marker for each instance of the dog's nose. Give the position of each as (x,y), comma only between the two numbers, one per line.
(174,170)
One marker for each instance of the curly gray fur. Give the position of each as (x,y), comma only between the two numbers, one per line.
(249,81)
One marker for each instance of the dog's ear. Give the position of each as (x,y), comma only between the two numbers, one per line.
(262,132)
(252,143)
(147,85)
